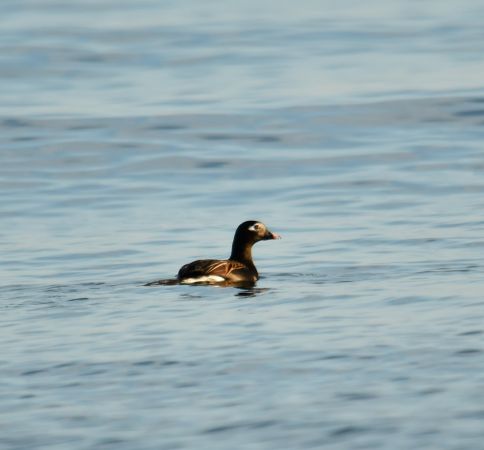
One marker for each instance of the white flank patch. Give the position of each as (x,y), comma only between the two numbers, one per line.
(204,279)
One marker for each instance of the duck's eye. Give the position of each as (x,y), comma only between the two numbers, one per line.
(255,227)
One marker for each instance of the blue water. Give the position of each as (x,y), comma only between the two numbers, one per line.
(136,136)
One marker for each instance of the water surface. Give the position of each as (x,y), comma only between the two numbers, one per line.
(138,135)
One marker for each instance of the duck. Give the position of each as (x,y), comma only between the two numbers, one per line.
(238,268)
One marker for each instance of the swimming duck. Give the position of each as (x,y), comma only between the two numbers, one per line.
(239,268)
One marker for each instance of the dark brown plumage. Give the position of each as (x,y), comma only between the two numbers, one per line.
(239,268)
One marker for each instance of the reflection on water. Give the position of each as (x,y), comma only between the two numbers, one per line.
(137,136)
(251,291)
(242,289)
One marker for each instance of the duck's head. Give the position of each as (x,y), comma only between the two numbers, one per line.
(255,231)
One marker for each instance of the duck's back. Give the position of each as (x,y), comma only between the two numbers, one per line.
(215,270)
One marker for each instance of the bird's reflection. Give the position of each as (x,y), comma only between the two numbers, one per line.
(251,291)
(244,289)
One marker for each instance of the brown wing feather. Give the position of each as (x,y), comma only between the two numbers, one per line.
(224,268)
(204,267)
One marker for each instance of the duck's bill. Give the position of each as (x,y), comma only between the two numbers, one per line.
(271,235)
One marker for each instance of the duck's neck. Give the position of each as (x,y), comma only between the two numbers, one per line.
(242,252)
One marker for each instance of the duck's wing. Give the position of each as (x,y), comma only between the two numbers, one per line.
(224,268)
(209,267)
